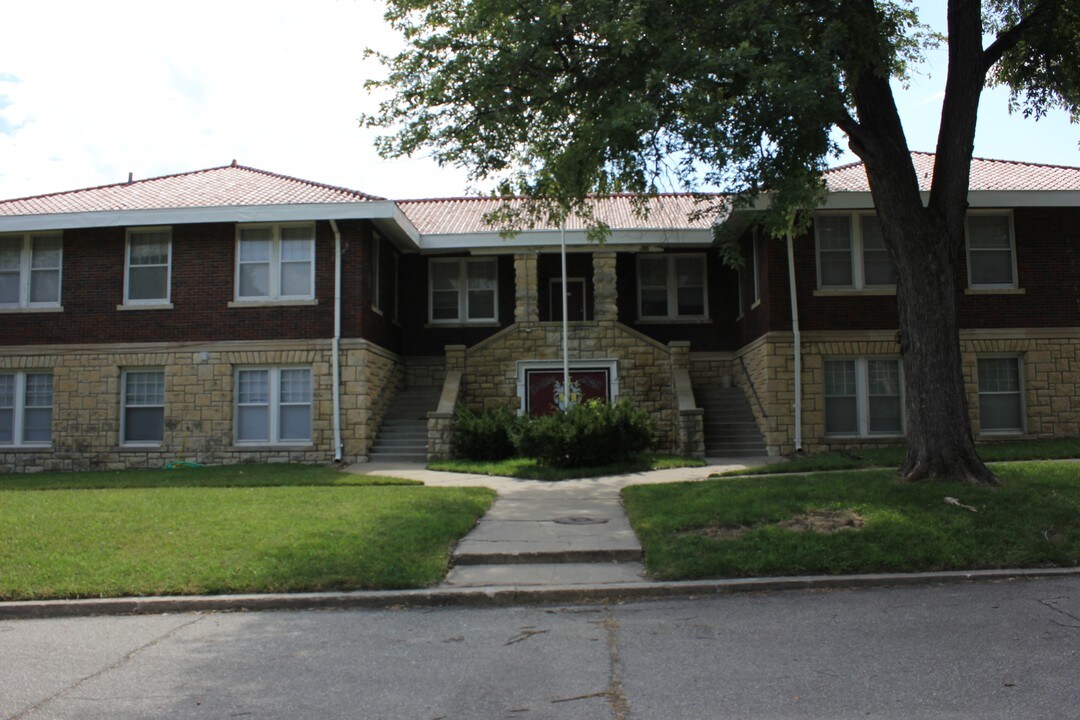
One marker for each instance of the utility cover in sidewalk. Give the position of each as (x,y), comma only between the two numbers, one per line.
(580,520)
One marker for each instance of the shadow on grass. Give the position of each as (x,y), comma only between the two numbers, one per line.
(269,475)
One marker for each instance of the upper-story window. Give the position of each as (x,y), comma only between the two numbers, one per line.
(275,262)
(30,270)
(147,266)
(463,290)
(672,286)
(991,251)
(851,254)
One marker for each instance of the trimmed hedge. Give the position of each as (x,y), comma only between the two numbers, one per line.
(586,435)
(489,436)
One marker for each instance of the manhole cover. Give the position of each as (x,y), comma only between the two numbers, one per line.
(580,520)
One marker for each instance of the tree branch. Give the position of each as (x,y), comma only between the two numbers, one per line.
(1008,39)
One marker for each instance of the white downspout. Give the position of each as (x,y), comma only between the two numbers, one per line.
(565,316)
(335,344)
(796,339)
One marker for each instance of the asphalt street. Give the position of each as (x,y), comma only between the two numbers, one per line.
(988,650)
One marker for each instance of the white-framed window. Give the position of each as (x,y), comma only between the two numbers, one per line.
(672,286)
(147,266)
(991,250)
(273,405)
(863,396)
(851,253)
(463,290)
(142,421)
(275,262)
(1001,398)
(30,270)
(25,408)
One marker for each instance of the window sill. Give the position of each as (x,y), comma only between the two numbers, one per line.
(891,437)
(26,448)
(1015,434)
(995,291)
(149,447)
(454,324)
(674,321)
(855,292)
(146,306)
(271,303)
(32,309)
(242,447)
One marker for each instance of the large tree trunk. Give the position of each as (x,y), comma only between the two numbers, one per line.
(924,243)
(940,443)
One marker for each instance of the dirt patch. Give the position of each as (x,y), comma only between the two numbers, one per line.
(824,521)
(719,532)
(821,521)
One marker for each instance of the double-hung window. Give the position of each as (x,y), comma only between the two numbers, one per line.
(1001,404)
(463,290)
(147,265)
(25,408)
(672,286)
(275,262)
(273,405)
(143,419)
(863,396)
(991,251)
(30,267)
(851,253)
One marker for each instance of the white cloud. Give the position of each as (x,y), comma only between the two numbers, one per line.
(92,91)
(152,89)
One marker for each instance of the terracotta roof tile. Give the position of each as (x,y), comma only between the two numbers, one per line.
(452,216)
(1000,175)
(230,185)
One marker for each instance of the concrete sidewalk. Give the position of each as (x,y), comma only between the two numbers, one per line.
(550,534)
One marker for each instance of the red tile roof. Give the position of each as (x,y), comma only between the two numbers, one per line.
(1000,175)
(453,216)
(230,185)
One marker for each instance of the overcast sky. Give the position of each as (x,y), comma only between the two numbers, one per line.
(90,91)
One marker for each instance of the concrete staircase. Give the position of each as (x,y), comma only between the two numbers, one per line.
(540,534)
(403,435)
(729,427)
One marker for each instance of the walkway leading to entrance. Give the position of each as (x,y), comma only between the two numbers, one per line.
(572,532)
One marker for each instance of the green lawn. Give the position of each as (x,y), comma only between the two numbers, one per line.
(531,469)
(224,530)
(728,528)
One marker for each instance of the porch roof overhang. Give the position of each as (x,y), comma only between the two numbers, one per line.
(576,240)
(384,214)
(742,217)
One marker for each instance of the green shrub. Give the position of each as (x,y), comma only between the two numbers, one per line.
(586,435)
(487,436)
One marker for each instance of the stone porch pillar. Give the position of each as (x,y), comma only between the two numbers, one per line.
(605,295)
(526,298)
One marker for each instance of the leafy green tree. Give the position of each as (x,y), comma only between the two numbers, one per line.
(560,99)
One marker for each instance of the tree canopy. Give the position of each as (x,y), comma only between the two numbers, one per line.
(561,99)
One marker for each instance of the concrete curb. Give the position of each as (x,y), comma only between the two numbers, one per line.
(499,596)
